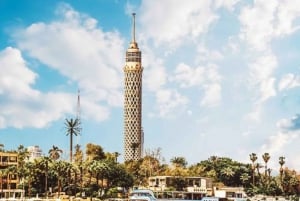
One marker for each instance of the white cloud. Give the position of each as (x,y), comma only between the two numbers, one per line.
(208,55)
(13,66)
(170,102)
(289,81)
(289,124)
(261,71)
(266,20)
(283,124)
(276,143)
(267,89)
(262,68)
(287,12)
(172,26)
(228,4)
(187,76)
(255,114)
(261,23)
(212,95)
(79,50)
(23,106)
(154,75)
(208,78)
(257,22)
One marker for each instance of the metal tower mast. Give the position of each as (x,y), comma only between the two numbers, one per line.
(78,112)
(78,106)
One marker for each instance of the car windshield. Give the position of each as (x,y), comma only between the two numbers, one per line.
(141,194)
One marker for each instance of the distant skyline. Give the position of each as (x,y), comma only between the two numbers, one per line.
(221,77)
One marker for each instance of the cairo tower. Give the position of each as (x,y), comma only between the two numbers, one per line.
(133,134)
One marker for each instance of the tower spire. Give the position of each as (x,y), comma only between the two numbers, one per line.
(78,115)
(133,27)
(78,105)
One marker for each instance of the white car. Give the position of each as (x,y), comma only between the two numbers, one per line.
(142,195)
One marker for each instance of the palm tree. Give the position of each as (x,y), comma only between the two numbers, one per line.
(281,163)
(10,171)
(179,162)
(55,152)
(60,170)
(227,172)
(29,167)
(72,128)
(44,164)
(266,157)
(244,178)
(258,166)
(253,158)
(78,161)
(23,155)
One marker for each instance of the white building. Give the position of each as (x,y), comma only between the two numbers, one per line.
(34,152)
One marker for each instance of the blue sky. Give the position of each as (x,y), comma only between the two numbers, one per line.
(221,77)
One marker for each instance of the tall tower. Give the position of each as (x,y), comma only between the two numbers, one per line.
(133,135)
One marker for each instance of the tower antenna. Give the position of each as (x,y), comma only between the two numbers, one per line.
(78,111)
(133,28)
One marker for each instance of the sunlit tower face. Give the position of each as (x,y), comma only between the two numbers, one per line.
(133,101)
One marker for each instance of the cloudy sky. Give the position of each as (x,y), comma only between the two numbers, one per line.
(221,77)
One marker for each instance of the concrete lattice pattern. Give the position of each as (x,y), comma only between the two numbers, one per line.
(133,135)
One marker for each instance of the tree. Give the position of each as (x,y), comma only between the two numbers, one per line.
(55,152)
(78,160)
(23,155)
(266,157)
(44,166)
(94,152)
(228,172)
(2,174)
(78,155)
(281,163)
(179,167)
(253,158)
(72,127)
(244,178)
(10,171)
(60,169)
(179,162)
(29,174)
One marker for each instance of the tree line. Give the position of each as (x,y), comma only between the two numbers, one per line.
(98,173)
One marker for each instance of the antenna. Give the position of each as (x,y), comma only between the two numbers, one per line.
(78,106)
(78,112)
(133,28)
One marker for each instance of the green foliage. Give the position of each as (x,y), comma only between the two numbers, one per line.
(94,152)
(96,171)
(225,170)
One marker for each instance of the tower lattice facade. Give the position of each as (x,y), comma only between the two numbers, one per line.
(133,134)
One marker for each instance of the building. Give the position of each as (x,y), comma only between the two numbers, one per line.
(232,193)
(133,134)
(34,152)
(195,187)
(9,180)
